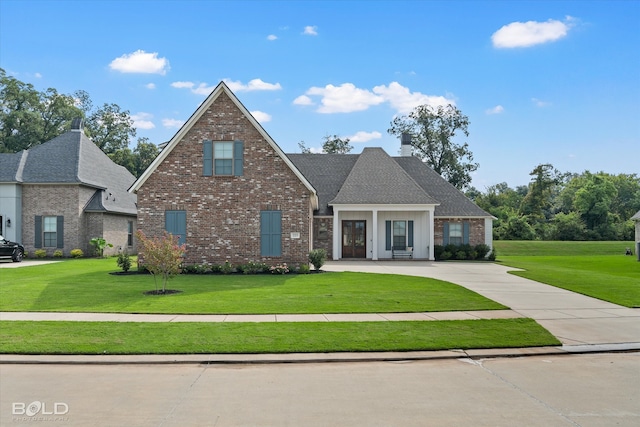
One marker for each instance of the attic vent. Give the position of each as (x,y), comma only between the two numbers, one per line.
(77,124)
(405,145)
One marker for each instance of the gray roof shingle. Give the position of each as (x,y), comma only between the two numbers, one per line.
(72,158)
(374,177)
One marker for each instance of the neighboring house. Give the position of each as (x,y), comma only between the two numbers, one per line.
(62,193)
(229,192)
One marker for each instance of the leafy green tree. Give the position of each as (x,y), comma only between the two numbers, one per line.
(29,117)
(568,227)
(433,132)
(145,152)
(162,256)
(336,145)
(110,128)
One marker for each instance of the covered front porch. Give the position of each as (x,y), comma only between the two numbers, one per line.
(373,231)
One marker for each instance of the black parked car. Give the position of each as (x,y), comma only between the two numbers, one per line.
(12,250)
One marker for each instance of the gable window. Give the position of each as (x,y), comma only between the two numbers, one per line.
(49,232)
(222,158)
(271,233)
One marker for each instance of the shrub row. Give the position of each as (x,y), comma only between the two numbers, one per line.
(248,268)
(463,252)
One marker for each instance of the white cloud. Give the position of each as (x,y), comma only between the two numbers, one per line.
(495,110)
(272,37)
(150,85)
(255,84)
(310,30)
(37,75)
(530,33)
(172,123)
(345,98)
(201,89)
(261,116)
(303,100)
(404,101)
(140,62)
(142,121)
(363,136)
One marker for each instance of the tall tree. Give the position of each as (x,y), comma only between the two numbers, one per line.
(433,132)
(336,145)
(145,152)
(110,128)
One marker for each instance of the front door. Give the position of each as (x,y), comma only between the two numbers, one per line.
(354,239)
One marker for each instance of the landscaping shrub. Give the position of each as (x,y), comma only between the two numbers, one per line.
(227,268)
(437,251)
(461,252)
(317,258)
(161,256)
(196,269)
(492,255)
(279,269)
(124,261)
(445,255)
(461,255)
(482,250)
(252,268)
(40,253)
(304,269)
(76,253)
(58,253)
(99,244)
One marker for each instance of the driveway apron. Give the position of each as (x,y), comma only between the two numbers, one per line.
(573,318)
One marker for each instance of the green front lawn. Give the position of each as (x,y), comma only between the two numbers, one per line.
(194,338)
(86,286)
(597,269)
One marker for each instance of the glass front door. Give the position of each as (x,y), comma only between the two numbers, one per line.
(354,239)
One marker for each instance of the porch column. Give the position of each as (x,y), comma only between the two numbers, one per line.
(432,235)
(337,234)
(374,235)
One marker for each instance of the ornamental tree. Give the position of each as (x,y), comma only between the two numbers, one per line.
(162,256)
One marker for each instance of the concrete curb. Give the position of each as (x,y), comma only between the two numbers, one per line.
(223,359)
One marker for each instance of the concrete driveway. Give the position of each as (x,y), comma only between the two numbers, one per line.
(573,318)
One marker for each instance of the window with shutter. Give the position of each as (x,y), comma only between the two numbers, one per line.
(271,233)
(175,222)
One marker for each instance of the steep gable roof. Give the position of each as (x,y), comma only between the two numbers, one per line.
(221,88)
(72,158)
(636,217)
(376,179)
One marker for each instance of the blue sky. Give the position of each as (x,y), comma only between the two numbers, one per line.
(541,81)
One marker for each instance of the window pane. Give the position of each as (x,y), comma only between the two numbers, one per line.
(399,233)
(223,167)
(50,224)
(50,239)
(455,234)
(223,150)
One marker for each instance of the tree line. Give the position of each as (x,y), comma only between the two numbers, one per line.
(563,206)
(29,117)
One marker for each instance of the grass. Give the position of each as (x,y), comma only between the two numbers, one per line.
(597,269)
(192,338)
(86,286)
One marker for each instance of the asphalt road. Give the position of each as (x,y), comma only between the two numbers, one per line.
(569,390)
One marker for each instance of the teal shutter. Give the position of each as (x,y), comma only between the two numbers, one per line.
(207,158)
(410,234)
(465,233)
(175,222)
(445,234)
(271,233)
(238,158)
(60,232)
(38,229)
(387,235)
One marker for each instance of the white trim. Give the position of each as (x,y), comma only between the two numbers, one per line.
(221,88)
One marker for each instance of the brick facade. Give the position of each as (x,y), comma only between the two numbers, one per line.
(323,234)
(223,212)
(79,227)
(476,229)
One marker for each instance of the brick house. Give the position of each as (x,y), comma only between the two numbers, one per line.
(231,194)
(62,193)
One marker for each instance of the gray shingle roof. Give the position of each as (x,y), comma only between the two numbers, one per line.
(636,217)
(374,177)
(72,158)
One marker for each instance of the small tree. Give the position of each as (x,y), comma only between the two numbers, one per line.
(161,256)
